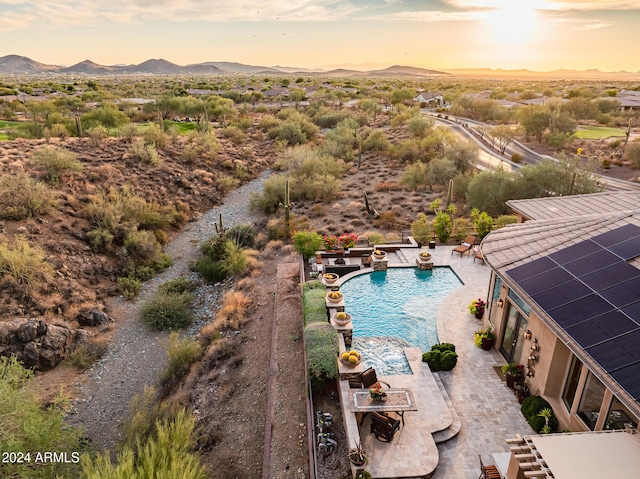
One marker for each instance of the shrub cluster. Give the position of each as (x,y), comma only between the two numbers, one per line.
(21,196)
(56,162)
(531,408)
(169,307)
(313,303)
(224,257)
(24,263)
(321,341)
(442,357)
(181,353)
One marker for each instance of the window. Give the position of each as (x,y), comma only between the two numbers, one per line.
(497,286)
(620,417)
(591,401)
(521,304)
(571,385)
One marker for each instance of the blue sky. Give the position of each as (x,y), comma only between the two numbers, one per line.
(440,34)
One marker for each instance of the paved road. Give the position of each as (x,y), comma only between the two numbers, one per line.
(491,158)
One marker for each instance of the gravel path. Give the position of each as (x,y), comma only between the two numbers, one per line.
(136,355)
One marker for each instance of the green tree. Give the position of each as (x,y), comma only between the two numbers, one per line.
(535,121)
(415,176)
(418,125)
(440,171)
(307,243)
(107,116)
(489,190)
(442,225)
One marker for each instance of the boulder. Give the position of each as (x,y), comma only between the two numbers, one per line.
(93,317)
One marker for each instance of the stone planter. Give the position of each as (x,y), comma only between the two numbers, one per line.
(342,322)
(487,343)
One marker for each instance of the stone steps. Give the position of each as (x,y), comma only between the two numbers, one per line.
(456,424)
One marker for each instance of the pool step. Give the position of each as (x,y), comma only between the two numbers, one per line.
(454,428)
(401,256)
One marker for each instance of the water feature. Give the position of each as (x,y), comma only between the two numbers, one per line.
(396,309)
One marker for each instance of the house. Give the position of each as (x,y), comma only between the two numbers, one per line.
(564,301)
(430,99)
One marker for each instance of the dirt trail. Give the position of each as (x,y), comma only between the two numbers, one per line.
(136,355)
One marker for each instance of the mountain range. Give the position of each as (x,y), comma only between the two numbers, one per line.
(15,64)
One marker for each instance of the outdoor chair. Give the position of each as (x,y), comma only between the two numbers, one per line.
(369,379)
(384,427)
(366,260)
(477,255)
(465,246)
(489,471)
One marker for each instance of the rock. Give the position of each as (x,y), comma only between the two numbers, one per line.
(30,330)
(93,317)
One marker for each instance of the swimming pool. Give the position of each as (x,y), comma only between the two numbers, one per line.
(394,309)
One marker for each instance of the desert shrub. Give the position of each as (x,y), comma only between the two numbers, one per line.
(531,407)
(442,226)
(168,452)
(328,118)
(415,176)
(129,287)
(142,413)
(171,311)
(376,141)
(59,131)
(516,158)
(177,285)
(56,162)
(387,220)
(233,311)
(313,302)
(375,237)
(181,354)
(212,271)
(235,260)
(440,171)
(242,235)
(272,195)
(97,134)
(154,135)
(147,153)
(85,355)
(632,153)
(421,229)
(107,116)
(290,132)
(26,264)
(214,247)
(142,247)
(268,122)
(28,427)
(21,197)
(128,131)
(418,125)
(227,183)
(235,134)
(482,221)
(321,341)
(307,243)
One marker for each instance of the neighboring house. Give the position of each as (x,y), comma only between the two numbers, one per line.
(564,301)
(629,100)
(430,99)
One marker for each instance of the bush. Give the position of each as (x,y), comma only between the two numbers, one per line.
(242,235)
(531,407)
(235,134)
(142,247)
(171,311)
(442,226)
(56,162)
(442,357)
(84,356)
(21,196)
(415,176)
(177,285)
(307,243)
(321,341)
(24,263)
(28,427)
(181,353)
(313,302)
(129,287)
(232,313)
(211,271)
(168,452)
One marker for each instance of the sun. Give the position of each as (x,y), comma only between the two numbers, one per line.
(512,21)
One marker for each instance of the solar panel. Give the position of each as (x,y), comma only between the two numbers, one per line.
(576,251)
(617,235)
(549,279)
(600,328)
(531,269)
(623,293)
(618,352)
(610,276)
(580,310)
(627,377)
(633,311)
(561,294)
(628,249)
(591,263)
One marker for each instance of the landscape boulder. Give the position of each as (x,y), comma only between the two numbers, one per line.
(93,317)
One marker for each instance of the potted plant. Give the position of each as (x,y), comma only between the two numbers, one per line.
(351,358)
(484,338)
(341,318)
(331,243)
(513,373)
(379,254)
(522,391)
(424,256)
(363,475)
(348,240)
(334,296)
(358,456)
(477,307)
(330,278)
(378,394)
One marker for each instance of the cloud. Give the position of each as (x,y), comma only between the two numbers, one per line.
(594,26)
(422,16)
(562,5)
(88,12)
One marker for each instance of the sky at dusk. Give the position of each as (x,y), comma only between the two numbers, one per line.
(537,35)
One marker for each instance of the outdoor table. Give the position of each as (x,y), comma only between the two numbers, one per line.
(398,401)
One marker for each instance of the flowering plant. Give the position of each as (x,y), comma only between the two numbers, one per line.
(330,242)
(425,254)
(477,306)
(379,252)
(348,240)
(377,394)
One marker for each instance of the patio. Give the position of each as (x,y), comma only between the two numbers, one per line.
(467,412)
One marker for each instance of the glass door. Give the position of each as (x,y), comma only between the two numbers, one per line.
(513,338)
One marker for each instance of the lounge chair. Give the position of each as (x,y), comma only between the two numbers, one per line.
(489,471)
(383,426)
(465,246)
(370,379)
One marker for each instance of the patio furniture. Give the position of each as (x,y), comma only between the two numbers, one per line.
(398,401)
(489,471)
(370,379)
(477,254)
(465,246)
(366,260)
(383,427)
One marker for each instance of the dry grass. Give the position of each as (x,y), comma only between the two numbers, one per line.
(232,313)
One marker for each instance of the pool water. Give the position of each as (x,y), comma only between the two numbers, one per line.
(394,309)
